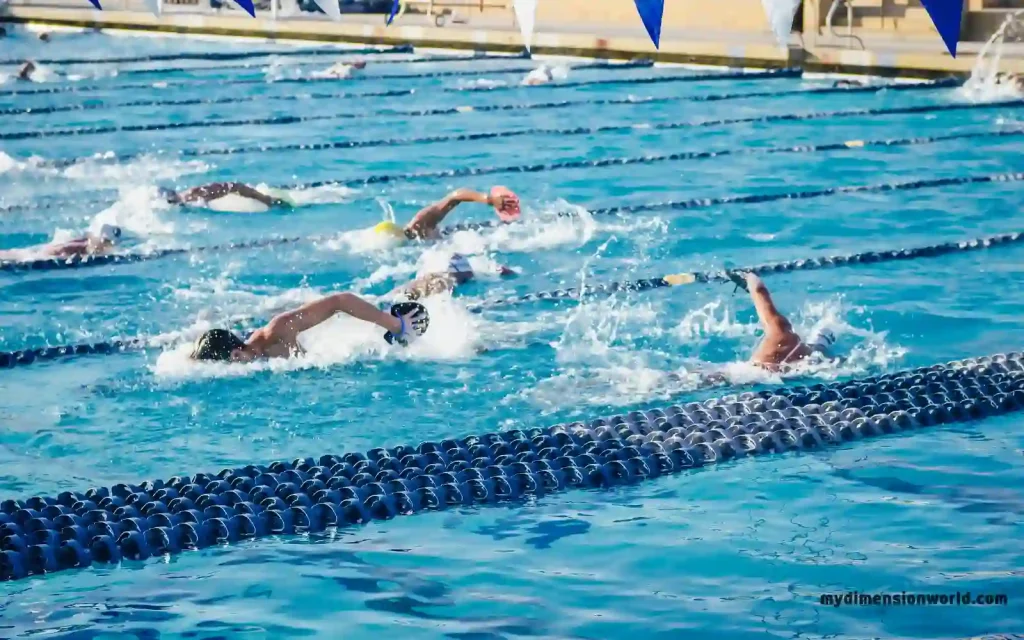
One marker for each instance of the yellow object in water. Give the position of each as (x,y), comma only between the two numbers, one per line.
(388,228)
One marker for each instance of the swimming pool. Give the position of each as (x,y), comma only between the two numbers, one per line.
(738,549)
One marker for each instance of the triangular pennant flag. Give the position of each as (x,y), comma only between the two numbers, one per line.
(947,16)
(154,7)
(395,6)
(780,16)
(96,3)
(526,14)
(248,6)
(651,12)
(330,7)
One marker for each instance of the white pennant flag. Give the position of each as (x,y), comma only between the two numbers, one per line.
(526,13)
(153,6)
(780,17)
(331,8)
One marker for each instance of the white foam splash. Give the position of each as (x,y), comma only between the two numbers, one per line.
(98,169)
(139,212)
(987,83)
(480,83)
(327,194)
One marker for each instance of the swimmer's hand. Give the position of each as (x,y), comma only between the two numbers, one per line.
(415,321)
(505,203)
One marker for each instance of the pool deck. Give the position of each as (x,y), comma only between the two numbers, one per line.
(921,57)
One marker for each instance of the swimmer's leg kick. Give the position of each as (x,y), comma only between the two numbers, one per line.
(279,338)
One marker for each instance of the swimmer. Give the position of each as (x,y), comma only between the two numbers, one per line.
(781,345)
(847,83)
(340,70)
(424,225)
(87,245)
(207,194)
(541,75)
(1012,79)
(459,272)
(26,71)
(280,337)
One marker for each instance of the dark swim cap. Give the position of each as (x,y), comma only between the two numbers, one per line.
(216,344)
(170,195)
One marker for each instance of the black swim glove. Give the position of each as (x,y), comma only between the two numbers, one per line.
(739,279)
(415,321)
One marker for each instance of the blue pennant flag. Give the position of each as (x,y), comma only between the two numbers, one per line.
(96,3)
(248,6)
(651,12)
(947,16)
(394,10)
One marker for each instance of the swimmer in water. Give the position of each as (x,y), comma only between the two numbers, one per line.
(781,345)
(541,75)
(1012,79)
(208,193)
(459,272)
(340,70)
(88,245)
(280,337)
(424,226)
(26,71)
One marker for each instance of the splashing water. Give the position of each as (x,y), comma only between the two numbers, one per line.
(987,83)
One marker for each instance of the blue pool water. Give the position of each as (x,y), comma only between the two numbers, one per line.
(739,550)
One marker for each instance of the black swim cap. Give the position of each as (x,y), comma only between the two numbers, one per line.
(170,195)
(216,344)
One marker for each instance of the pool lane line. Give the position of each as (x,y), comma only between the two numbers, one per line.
(219,55)
(482,135)
(76,262)
(809,264)
(464,109)
(605,162)
(23,357)
(128,522)
(664,79)
(252,65)
(177,84)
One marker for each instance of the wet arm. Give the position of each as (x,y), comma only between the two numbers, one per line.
(770,318)
(286,327)
(424,224)
(216,190)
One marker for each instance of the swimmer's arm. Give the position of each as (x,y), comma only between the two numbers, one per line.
(72,248)
(216,190)
(286,327)
(424,224)
(770,318)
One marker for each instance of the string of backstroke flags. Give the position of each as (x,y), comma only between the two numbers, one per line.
(946,15)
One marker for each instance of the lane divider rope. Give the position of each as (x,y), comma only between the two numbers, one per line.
(128,522)
(77,262)
(252,65)
(78,89)
(810,264)
(219,55)
(463,109)
(24,357)
(475,171)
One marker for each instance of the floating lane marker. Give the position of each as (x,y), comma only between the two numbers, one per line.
(128,522)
